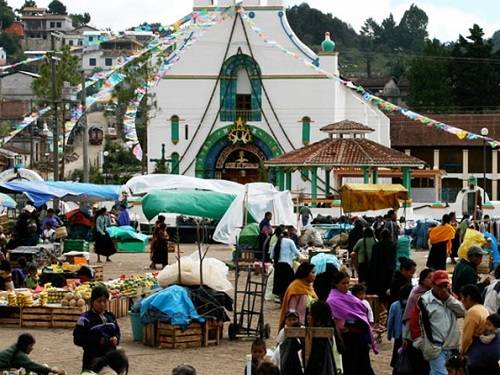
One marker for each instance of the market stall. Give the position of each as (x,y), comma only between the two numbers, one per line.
(372,197)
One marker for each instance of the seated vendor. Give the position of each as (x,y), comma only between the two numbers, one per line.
(17,357)
(50,224)
(6,276)
(31,280)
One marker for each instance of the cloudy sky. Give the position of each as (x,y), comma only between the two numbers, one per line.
(447,18)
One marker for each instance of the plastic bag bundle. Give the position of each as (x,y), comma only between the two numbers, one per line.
(214,273)
(472,237)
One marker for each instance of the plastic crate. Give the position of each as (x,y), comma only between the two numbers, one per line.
(131,246)
(75,245)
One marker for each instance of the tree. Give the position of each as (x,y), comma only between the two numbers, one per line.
(27,4)
(56,7)
(412,29)
(430,81)
(67,70)
(496,40)
(370,41)
(475,80)
(10,43)
(7,15)
(80,19)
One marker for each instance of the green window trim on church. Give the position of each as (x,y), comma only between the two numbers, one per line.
(228,88)
(174,123)
(306,130)
(175,163)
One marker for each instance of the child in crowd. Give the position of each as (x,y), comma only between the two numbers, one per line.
(31,280)
(184,370)
(457,365)
(259,351)
(267,368)
(6,276)
(359,291)
(290,345)
(491,329)
(395,321)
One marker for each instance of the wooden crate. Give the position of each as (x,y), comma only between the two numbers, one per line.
(173,337)
(150,336)
(10,317)
(119,306)
(212,332)
(50,317)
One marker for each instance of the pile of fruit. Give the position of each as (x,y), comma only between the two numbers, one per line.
(25,299)
(44,298)
(54,295)
(85,290)
(73,300)
(12,299)
(134,285)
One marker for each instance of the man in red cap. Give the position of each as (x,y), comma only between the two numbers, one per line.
(439,312)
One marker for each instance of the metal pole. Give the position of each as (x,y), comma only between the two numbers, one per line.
(32,131)
(146,120)
(484,170)
(85,138)
(54,106)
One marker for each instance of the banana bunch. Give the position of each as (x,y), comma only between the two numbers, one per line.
(12,299)
(44,298)
(25,299)
(84,290)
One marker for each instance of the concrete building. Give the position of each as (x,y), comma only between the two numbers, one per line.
(76,37)
(109,53)
(222,115)
(38,24)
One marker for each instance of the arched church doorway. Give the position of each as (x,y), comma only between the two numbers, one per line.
(240,163)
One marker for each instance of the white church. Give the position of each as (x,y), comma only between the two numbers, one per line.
(233,101)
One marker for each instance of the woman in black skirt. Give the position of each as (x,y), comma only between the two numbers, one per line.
(103,244)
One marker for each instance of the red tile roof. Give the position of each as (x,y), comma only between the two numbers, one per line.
(347,126)
(346,152)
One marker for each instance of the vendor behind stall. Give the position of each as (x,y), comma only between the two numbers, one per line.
(6,276)
(97,330)
(17,357)
(49,225)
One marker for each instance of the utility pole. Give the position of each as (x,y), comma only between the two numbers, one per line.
(32,131)
(54,106)
(85,138)
(146,120)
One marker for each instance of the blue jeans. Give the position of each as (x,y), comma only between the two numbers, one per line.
(437,365)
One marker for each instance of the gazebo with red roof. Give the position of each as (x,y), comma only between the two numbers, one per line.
(345,148)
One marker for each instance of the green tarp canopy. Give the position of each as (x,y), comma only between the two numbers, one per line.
(249,236)
(126,233)
(199,203)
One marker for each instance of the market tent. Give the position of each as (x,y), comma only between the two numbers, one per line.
(7,201)
(199,203)
(365,197)
(249,236)
(142,185)
(40,192)
(257,199)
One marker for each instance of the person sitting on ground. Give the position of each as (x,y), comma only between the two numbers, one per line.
(259,351)
(114,362)
(32,279)
(184,370)
(492,294)
(465,272)
(6,276)
(17,357)
(359,291)
(19,273)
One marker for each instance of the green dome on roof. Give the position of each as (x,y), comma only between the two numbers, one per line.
(328,45)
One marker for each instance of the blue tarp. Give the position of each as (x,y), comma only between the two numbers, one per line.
(40,192)
(126,233)
(321,260)
(171,305)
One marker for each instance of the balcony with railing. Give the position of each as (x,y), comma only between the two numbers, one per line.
(244,114)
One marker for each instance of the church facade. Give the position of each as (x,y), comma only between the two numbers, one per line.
(234,101)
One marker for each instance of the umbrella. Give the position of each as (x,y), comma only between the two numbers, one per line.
(7,201)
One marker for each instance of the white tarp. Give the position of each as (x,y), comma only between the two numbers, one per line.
(258,198)
(142,185)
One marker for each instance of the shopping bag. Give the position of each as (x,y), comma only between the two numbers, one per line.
(403,364)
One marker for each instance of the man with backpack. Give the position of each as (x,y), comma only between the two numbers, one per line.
(439,311)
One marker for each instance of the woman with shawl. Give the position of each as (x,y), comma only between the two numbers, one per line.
(418,363)
(364,251)
(300,293)
(441,238)
(351,319)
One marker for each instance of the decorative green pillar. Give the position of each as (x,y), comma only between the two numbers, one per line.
(288,177)
(306,130)
(407,179)
(281,179)
(366,175)
(327,182)
(375,176)
(314,186)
